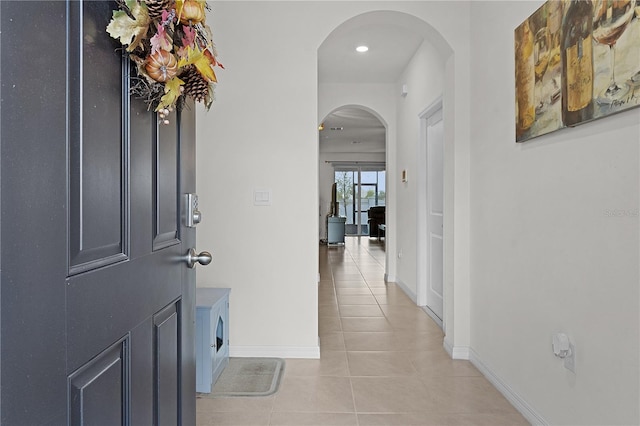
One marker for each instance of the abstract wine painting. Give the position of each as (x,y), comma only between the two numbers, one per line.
(576,61)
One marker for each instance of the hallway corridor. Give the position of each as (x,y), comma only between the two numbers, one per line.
(382,361)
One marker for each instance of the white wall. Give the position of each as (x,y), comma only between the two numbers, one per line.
(424,77)
(545,254)
(262,133)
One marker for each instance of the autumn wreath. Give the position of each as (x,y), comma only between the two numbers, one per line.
(172,49)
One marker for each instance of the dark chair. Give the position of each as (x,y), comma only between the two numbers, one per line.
(376,217)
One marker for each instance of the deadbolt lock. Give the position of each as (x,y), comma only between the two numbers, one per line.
(192,214)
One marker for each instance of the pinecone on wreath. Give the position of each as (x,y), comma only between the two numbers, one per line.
(195,85)
(155,7)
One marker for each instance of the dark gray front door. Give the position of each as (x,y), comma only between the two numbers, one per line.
(97,303)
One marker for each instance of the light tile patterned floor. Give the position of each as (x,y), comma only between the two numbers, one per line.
(382,361)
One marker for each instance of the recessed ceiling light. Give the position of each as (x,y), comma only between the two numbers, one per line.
(362,49)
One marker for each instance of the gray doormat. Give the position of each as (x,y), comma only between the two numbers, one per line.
(248,377)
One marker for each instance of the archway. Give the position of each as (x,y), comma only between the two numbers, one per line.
(352,145)
(386,93)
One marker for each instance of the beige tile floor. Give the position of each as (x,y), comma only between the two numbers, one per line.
(381,362)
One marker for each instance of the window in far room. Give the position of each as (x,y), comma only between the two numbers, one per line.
(359,189)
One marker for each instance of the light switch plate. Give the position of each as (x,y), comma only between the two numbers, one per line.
(261,197)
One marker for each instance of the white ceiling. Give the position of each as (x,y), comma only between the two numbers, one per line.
(391,46)
(351,129)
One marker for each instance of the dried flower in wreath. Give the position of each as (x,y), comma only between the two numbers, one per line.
(172,48)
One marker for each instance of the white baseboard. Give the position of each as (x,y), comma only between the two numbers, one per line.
(389,278)
(448,347)
(455,352)
(527,411)
(310,352)
(460,352)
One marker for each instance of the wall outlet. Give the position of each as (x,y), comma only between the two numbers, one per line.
(570,360)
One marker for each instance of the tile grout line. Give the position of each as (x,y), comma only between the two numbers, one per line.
(353,396)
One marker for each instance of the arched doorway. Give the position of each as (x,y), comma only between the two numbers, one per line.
(400,88)
(352,144)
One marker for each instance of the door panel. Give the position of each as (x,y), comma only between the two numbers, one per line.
(97,304)
(128,294)
(98,392)
(142,377)
(167,360)
(435,272)
(166,181)
(98,142)
(435,203)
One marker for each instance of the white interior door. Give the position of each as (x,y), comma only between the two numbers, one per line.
(435,202)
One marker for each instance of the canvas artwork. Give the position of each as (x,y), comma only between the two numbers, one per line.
(576,61)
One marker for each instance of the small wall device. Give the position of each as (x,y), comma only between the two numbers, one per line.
(561,345)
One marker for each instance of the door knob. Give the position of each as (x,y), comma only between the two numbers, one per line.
(204,258)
